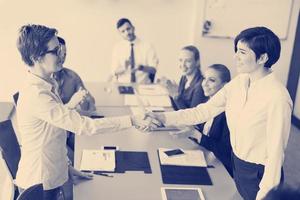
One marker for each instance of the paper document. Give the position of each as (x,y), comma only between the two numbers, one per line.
(193,158)
(163,101)
(98,160)
(154,101)
(152,89)
(130,100)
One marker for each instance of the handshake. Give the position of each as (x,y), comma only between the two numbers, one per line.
(148,121)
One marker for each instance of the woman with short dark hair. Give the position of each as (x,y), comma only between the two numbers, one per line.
(258,108)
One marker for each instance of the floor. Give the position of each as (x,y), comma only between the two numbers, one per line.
(291,164)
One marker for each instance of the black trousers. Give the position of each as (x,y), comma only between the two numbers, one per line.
(247,177)
(54,194)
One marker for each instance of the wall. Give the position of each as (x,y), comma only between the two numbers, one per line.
(89,29)
(218,50)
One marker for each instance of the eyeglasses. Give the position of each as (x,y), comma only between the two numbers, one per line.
(56,51)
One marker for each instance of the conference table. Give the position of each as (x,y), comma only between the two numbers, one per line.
(137,185)
(6,110)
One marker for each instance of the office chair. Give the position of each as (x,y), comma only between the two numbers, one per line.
(10,146)
(16,97)
(35,192)
(152,77)
(7,187)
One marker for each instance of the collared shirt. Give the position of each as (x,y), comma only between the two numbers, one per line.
(144,54)
(42,120)
(259,120)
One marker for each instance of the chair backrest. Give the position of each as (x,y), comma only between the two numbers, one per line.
(16,97)
(10,146)
(152,77)
(7,188)
(34,192)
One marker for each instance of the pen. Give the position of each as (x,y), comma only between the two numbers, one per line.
(158,111)
(102,174)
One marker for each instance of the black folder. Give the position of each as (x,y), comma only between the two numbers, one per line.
(186,175)
(132,161)
(126,90)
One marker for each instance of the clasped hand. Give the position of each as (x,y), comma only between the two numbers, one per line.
(146,122)
(77,98)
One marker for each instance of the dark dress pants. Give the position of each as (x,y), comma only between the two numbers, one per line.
(247,177)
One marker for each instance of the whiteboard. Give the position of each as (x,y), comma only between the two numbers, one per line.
(227,18)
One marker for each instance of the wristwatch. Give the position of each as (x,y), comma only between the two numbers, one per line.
(141,67)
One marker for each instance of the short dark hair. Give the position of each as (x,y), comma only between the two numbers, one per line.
(194,50)
(32,41)
(223,72)
(261,40)
(61,40)
(122,21)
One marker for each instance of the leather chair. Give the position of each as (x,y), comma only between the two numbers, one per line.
(7,188)
(34,192)
(10,146)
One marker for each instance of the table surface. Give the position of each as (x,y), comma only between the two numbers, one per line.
(6,109)
(137,185)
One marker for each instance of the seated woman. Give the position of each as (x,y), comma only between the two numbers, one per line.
(189,93)
(214,134)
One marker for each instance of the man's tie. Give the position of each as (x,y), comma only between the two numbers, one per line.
(132,64)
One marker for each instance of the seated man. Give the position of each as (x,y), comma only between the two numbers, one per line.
(133,60)
(69,83)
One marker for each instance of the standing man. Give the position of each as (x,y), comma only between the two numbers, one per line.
(133,60)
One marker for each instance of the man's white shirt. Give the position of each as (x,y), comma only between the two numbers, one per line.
(144,54)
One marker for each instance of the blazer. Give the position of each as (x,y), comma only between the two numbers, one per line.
(218,141)
(191,96)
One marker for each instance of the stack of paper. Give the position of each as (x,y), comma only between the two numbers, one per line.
(155,101)
(98,160)
(152,90)
(163,101)
(193,158)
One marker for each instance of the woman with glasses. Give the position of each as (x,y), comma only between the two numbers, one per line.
(43,118)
